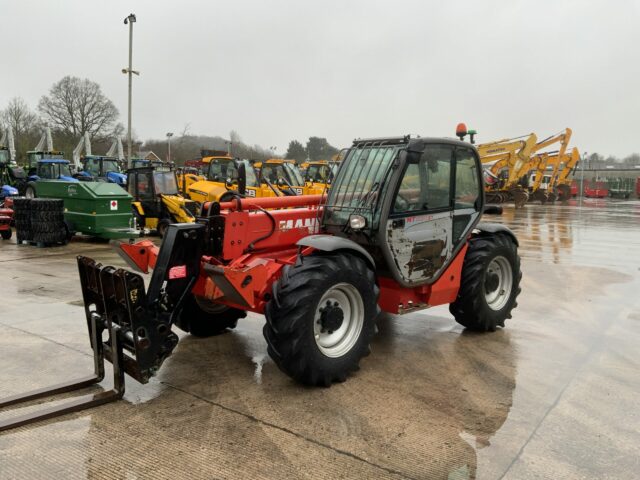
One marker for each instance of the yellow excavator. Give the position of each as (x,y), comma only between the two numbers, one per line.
(539,162)
(550,180)
(504,161)
(562,182)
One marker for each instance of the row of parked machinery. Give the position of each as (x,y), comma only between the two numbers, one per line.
(517,169)
(523,169)
(150,195)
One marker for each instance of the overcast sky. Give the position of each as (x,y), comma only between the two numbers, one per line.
(274,70)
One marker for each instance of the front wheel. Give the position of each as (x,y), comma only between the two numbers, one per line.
(201,318)
(322,318)
(490,283)
(6,234)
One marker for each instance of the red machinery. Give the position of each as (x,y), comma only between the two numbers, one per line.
(399,231)
(574,188)
(597,190)
(6,217)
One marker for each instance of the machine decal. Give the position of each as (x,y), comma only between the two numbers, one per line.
(421,246)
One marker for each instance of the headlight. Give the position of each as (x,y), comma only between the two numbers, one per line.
(357,222)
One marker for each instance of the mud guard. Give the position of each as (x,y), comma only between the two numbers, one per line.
(486,227)
(330,243)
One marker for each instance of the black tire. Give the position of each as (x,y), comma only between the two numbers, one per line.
(6,234)
(22,218)
(69,232)
(140,221)
(47,205)
(201,320)
(293,316)
(471,308)
(49,237)
(30,191)
(162,226)
(47,216)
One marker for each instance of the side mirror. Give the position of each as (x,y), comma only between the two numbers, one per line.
(242,179)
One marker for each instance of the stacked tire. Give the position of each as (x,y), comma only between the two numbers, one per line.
(47,221)
(22,218)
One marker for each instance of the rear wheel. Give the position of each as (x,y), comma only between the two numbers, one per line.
(201,318)
(6,234)
(30,192)
(490,283)
(322,317)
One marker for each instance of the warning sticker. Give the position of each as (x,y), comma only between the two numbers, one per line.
(114,205)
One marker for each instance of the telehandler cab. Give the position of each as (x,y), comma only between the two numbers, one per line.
(399,231)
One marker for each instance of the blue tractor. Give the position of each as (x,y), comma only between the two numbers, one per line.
(8,168)
(102,169)
(8,172)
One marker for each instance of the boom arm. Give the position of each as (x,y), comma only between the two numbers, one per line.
(563,138)
(514,153)
(85,142)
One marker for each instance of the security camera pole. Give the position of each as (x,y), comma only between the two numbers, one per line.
(131,19)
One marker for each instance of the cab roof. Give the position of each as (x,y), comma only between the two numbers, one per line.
(412,143)
(54,161)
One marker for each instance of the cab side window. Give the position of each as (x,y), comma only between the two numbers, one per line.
(144,186)
(467,189)
(93,166)
(426,184)
(45,171)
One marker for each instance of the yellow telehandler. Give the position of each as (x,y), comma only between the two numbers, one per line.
(281,177)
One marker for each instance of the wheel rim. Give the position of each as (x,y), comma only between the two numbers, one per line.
(29,193)
(337,343)
(498,283)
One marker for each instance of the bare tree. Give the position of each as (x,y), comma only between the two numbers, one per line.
(25,124)
(76,105)
(19,117)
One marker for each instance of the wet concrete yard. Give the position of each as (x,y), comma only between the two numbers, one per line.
(553,395)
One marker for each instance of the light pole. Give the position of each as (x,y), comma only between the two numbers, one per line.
(584,163)
(229,145)
(169,135)
(131,19)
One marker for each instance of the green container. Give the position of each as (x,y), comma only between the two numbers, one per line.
(93,208)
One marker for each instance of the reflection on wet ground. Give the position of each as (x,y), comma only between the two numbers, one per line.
(554,395)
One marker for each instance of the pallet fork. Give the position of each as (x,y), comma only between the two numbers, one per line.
(138,324)
(114,347)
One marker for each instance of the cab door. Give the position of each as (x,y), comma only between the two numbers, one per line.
(419,227)
(467,196)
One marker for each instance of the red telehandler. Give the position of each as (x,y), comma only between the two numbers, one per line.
(399,231)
